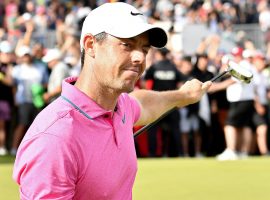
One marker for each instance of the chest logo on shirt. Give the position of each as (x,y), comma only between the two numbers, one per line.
(124,119)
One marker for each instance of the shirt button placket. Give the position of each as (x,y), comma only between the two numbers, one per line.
(109,118)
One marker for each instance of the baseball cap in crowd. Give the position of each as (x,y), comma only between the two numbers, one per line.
(226,59)
(5,47)
(23,50)
(247,53)
(259,55)
(52,54)
(123,21)
(70,60)
(237,51)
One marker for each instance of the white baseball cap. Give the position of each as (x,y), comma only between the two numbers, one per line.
(247,53)
(123,21)
(5,47)
(52,54)
(23,50)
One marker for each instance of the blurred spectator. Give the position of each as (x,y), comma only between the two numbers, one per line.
(220,104)
(38,52)
(261,104)
(11,17)
(145,6)
(30,7)
(229,13)
(141,142)
(214,22)
(70,46)
(6,95)
(2,13)
(59,71)
(238,128)
(264,22)
(189,120)
(25,76)
(164,10)
(264,15)
(40,20)
(73,64)
(250,12)
(163,76)
(202,108)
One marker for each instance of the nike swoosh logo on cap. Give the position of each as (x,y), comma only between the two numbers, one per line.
(135,14)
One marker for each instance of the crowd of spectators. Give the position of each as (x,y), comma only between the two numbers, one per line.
(39,47)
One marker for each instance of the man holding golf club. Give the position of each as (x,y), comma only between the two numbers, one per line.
(81,146)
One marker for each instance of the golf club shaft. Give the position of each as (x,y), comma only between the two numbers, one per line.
(219,75)
(148,126)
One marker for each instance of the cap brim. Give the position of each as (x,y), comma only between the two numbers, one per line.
(5,51)
(157,36)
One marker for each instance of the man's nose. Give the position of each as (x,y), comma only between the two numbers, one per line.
(138,56)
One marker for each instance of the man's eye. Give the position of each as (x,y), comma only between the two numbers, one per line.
(146,50)
(126,45)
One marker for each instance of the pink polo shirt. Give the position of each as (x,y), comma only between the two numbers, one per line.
(76,150)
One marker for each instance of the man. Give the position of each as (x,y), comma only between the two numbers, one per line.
(25,76)
(81,146)
(238,125)
(6,94)
(59,71)
(260,117)
(164,76)
(189,120)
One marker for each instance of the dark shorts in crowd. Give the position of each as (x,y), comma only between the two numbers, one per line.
(5,110)
(260,119)
(241,114)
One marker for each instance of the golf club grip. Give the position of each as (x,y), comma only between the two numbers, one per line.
(148,126)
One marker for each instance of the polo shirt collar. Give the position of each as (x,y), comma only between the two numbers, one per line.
(81,101)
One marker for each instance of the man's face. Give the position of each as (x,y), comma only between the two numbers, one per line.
(186,67)
(119,63)
(26,58)
(259,63)
(5,57)
(202,63)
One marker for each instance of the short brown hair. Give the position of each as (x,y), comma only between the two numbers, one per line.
(99,38)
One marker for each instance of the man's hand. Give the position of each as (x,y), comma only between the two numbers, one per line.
(193,90)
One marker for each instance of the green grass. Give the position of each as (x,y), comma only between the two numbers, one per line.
(204,179)
(189,179)
(8,188)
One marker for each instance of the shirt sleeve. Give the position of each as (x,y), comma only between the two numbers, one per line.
(45,169)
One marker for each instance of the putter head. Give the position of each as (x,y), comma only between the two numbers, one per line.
(239,72)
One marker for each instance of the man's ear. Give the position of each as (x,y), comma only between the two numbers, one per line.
(88,44)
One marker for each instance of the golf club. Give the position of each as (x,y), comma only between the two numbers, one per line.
(233,69)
